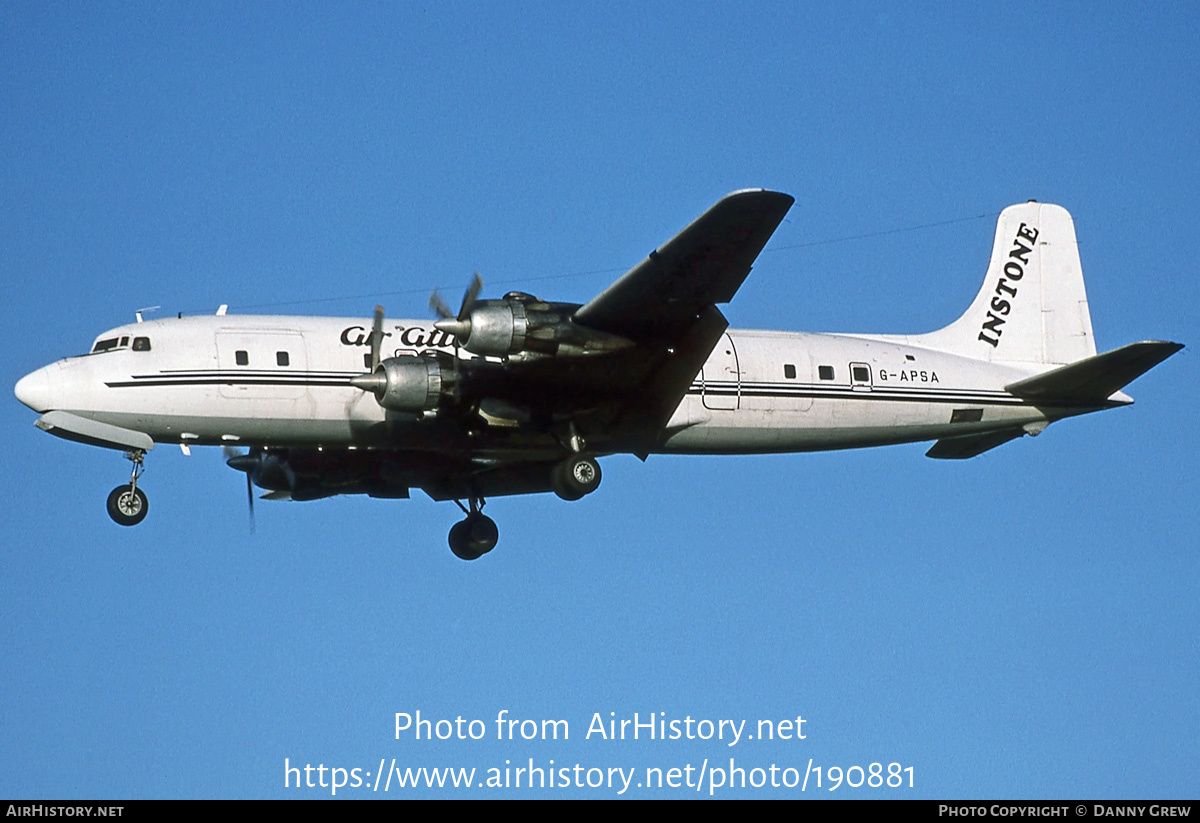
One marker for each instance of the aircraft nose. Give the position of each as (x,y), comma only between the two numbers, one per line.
(34,390)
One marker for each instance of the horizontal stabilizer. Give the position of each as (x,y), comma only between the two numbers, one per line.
(971,445)
(1094,379)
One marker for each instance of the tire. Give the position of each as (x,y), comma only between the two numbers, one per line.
(474,537)
(482,532)
(460,543)
(575,477)
(127,506)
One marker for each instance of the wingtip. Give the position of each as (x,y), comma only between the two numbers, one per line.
(757,192)
(1169,347)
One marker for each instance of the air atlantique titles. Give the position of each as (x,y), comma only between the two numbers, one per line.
(1014,270)
(412,336)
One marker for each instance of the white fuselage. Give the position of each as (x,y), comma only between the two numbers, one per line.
(520,396)
(272,380)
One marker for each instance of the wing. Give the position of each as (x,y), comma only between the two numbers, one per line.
(703,265)
(667,306)
(611,371)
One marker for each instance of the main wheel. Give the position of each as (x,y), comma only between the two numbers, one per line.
(460,543)
(484,534)
(575,477)
(473,537)
(127,506)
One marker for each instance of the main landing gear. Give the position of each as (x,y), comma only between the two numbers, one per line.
(127,505)
(474,536)
(477,534)
(576,476)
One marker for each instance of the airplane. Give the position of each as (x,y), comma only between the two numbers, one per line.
(518,395)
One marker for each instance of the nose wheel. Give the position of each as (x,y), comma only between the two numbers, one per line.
(127,505)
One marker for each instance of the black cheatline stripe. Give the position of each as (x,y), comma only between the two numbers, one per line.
(895,397)
(842,387)
(244,372)
(757,390)
(724,389)
(817,390)
(214,381)
(783,386)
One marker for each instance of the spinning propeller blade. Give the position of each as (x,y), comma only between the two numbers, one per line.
(460,325)
(376,337)
(439,306)
(248,463)
(468,303)
(250,500)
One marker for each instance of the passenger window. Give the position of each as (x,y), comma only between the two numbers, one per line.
(825,372)
(241,358)
(861,374)
(141,344)
(789,371)
(281,358)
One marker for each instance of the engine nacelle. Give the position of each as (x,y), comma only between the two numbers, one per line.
(497,328)
(522,325)
(407,384)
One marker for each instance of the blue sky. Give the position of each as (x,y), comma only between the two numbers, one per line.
(1023,624)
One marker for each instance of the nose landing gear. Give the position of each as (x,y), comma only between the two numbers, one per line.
(127,505)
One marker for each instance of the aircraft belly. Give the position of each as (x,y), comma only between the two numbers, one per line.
(218,430)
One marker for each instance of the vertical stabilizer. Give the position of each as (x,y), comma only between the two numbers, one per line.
(1032,307)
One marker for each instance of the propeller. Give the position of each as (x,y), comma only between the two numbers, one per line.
(458,325)
(248,463)
(439,306)
(370,381)
(376,337)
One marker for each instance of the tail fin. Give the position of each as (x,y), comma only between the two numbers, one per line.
(1032,307)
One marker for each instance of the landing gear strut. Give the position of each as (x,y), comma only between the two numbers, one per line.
(127,505)
(474,536)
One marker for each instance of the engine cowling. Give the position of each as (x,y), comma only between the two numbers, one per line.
(494,328)
(408,384)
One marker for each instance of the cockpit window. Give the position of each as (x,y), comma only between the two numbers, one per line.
(118,343)
(107,345)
